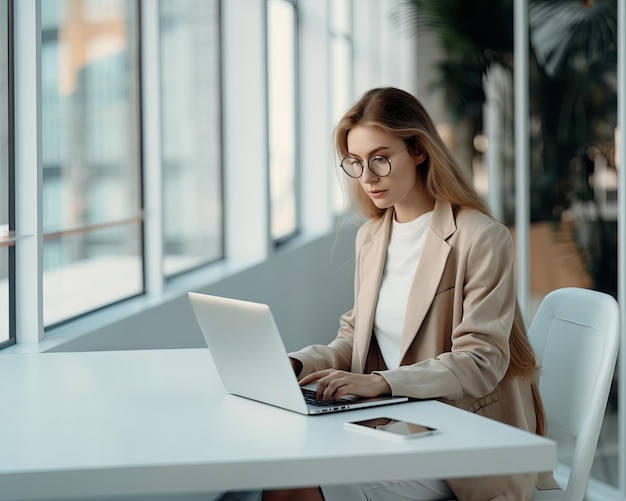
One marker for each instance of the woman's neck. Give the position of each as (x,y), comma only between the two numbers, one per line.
(405,213)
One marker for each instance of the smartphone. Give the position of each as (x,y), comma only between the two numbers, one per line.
(393,428)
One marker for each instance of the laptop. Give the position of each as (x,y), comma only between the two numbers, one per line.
(251,359)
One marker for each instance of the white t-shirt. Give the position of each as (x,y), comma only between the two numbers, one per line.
(403,254)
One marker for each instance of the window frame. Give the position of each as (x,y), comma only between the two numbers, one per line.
(11,119)
(12,305)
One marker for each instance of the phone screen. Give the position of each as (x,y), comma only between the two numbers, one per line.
(396,427)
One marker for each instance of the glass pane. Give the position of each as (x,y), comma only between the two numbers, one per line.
(573,172)
(91,168)
(5,313)
(191,134)
(107,268)
(282,116)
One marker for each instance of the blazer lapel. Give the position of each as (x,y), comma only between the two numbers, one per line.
(429,271)
(371,267)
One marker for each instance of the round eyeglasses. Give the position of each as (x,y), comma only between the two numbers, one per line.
(379,165)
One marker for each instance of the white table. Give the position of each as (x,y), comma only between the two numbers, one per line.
(74,425)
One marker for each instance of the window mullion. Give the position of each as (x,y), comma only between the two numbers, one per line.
(621,236)
(152,156)
(315,173)
(28,172)
(246,190)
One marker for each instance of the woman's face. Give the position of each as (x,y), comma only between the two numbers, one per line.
(402,189)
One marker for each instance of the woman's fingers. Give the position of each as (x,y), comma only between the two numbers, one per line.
(334,384)
(323,378)
(311,378)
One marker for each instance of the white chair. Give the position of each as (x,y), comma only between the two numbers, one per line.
(575,334)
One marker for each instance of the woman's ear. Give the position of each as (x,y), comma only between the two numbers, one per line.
(420,156)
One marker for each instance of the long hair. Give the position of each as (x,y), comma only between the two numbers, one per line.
(400,114)
(523,363)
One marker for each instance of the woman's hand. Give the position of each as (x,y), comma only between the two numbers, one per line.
(334,384)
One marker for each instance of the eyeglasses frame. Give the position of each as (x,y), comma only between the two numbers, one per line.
(389,159)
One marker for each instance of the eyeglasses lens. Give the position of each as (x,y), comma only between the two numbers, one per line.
(379,165)
(352,166)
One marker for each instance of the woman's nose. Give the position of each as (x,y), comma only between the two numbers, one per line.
(368,176)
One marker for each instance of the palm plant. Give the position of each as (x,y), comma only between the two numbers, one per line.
(572,92)
(573,52)
(574,43)
(575,47)
(472,35)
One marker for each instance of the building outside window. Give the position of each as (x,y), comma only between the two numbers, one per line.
(92,197)
(191,134)
(282,99)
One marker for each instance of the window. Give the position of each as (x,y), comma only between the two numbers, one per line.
(92,199)
(281,41)
(7,332)
(574,171)
(191,134)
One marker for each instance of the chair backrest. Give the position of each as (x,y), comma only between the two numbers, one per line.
(575,334)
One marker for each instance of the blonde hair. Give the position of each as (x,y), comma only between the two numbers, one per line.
(400,114)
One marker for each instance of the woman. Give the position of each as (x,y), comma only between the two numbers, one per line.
(435,313)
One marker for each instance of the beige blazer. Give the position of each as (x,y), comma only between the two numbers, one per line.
(455,341)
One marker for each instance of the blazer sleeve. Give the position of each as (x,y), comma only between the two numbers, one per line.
(483,311)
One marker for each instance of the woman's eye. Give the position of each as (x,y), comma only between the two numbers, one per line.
(379,160)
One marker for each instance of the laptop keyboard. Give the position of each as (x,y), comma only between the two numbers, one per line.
(309,397)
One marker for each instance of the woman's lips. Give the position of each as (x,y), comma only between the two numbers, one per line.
(377,193)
